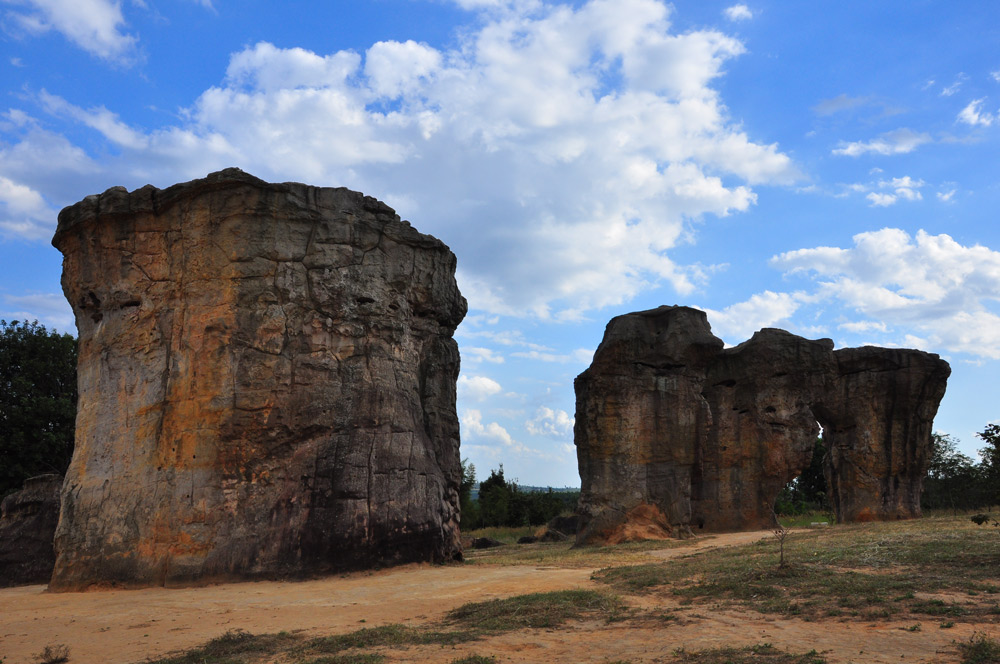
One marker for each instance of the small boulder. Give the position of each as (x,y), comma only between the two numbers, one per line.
(485,543)
(527,539)
(28,521)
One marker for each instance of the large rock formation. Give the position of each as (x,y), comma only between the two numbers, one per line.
(27,525)
(673,430)
(267,385)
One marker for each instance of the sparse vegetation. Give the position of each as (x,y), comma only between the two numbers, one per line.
(866,571)
(980,649)
(537,610)
(53,654)
(935,572)
(234,647)
(750,655)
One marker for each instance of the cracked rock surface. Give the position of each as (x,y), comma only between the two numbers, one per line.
(267,385)
(674,431)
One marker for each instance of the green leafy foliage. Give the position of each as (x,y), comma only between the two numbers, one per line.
(502,503)
(807,493)
(954,481)
(37,402)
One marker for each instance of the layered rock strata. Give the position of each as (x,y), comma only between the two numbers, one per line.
(267,385)
(674,431)
(27,526)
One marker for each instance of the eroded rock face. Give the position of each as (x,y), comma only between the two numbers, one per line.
(673,431)
(27,526)
(267,385)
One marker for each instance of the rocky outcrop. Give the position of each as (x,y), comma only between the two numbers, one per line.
(27,525)
(673,431)
(267,385)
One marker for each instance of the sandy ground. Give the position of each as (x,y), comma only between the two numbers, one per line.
(113,626)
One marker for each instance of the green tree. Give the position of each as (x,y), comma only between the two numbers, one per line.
(953,481)
(37,402)
(495,498)
(990,465)
(470,507)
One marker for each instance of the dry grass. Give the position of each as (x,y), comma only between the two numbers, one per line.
(939,567)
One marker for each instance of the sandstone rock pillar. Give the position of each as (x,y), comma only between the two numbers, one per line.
(267,385)
(674,432)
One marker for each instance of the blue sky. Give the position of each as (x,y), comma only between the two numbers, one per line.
(825,167)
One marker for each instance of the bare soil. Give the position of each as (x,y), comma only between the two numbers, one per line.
(132,625)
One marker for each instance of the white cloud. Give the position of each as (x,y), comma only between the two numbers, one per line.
(474,430)
(900,141)
(478,388)
(738,13)
(881,200)
(954,87)
(24,213)
(864,326)
(561,151)
(580,355)
(973,114)
(946,196)
(935,289)
(738,322)
(395,68)
(553,423)
(891,191)
(93,25)
(995,75)
(475,354)
(51,309)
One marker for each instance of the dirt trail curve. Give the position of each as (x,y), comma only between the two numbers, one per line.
(112,626)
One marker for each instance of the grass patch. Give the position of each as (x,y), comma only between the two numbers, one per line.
(537,610)
(764,652)
(980,649)
(235,647)
(360,658)
(872,571)
(562,554)
(390,636)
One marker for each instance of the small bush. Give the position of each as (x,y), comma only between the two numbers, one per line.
(980,649)
(55,654)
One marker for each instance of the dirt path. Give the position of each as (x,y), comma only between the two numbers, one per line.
(129,625)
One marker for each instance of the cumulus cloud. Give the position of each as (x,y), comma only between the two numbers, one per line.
(561,151)
(974,115)
(24,213)
(478,388)
(93,25)
(940,292)
(552,423)
(738,322)
(889,192)
(899,141)
(738,13)
(474,430)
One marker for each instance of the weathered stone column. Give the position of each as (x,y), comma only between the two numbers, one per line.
(267,385)
(675,432)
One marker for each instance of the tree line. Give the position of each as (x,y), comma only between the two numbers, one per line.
(501,502)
